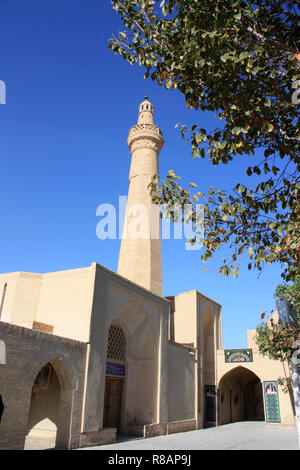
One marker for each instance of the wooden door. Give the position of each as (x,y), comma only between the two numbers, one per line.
(210,404)
(113,402)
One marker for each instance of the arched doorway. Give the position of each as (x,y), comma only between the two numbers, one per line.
(115,376)
(240,397)
(50,407)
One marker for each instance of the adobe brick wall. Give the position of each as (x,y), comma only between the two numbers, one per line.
(27,351)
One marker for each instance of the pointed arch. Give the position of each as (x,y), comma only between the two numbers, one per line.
(49,419)
(140,381)
(240,396)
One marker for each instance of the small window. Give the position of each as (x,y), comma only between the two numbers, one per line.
(116,348)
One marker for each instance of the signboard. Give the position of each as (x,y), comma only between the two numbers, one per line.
(286,311)
(272,402)
(238,355)
(115,369)
(210,403)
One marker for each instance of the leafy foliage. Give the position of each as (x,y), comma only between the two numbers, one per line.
(240,60)
(274,339)
(291,292)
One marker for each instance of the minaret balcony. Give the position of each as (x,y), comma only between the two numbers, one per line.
(143,133)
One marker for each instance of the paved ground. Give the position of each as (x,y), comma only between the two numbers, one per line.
(245,435)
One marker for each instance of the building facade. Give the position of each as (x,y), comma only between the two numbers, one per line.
(89,353)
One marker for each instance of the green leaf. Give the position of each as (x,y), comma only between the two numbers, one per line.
(236,130)
(243,55)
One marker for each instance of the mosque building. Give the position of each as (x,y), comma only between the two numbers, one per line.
(87,353)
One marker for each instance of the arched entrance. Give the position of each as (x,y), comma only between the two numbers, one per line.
(50,407)
(115,376)
(240,397)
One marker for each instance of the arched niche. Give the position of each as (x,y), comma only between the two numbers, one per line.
(49,419)
(142,342)
(208,348)
(140,384)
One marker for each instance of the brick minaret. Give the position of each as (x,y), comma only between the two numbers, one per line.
(140,252)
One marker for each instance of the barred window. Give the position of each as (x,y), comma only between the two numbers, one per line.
(116,344)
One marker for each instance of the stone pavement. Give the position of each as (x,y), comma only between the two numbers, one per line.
(245,435)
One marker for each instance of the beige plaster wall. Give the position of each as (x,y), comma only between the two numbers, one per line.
(181,383)
(61,299)
(66,302)
(21,297)
(185,318)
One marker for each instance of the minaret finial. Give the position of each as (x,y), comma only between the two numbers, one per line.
(146,96)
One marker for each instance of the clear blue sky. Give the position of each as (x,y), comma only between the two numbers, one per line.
(63,151)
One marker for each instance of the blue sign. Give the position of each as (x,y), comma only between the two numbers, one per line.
(115,369)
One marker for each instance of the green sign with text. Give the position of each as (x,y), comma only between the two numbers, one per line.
(238,355)
(272,402)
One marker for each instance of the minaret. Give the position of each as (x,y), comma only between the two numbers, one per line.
(140,252)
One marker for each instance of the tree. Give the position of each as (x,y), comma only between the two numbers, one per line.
(276,340)
(240,60)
